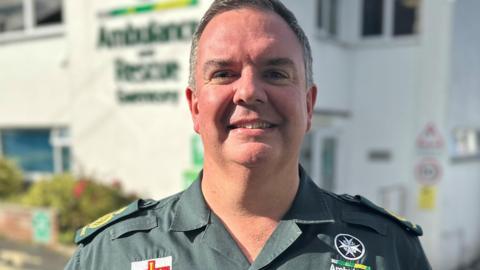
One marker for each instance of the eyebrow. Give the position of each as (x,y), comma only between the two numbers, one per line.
(221,63)
(216,63)
(280,62)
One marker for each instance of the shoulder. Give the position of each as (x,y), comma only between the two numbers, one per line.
(137,212)
(358,204)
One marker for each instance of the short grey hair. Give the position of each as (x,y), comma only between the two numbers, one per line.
(275,6)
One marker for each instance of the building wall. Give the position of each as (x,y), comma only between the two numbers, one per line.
(385,80)
(464,97)
(461,218)
(330,61)
(34,84)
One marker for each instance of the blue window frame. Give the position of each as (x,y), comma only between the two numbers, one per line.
(30,148)
(44,150)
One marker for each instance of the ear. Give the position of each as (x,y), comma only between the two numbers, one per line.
(311,99)
(193,106)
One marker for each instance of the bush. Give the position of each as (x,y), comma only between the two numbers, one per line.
(78,202)
(11,179)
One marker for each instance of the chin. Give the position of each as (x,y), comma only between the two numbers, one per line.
(254,155)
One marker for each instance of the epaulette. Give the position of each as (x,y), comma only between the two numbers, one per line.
(406,224)
(109,219)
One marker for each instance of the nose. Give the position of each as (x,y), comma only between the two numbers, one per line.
(249,90)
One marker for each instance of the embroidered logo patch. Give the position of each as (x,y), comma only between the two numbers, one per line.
(102,220)
(349,247)
(164,263)
(344,265)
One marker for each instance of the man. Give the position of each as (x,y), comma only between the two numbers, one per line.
(251,98)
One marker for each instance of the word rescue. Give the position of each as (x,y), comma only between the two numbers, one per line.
(142,72)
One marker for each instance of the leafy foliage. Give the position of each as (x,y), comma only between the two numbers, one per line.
(11,179)
(78,202)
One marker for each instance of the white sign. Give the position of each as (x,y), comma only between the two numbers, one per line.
(430,138)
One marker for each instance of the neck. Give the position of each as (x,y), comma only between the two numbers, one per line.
(250,192)
(242,196)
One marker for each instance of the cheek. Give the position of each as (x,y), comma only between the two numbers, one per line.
(213,106)
(292,105)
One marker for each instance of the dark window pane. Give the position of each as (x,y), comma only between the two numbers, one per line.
(320,13)
(48,12)
(372,17)
(328,163)
(30,148)
(11,15)
(333,17)
(66,164)
(405,21)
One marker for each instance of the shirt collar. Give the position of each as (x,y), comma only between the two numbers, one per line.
(192,211)
(308,207)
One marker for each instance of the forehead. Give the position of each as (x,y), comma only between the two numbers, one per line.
(248,32)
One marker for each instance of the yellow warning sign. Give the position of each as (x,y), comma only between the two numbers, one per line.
(427,197)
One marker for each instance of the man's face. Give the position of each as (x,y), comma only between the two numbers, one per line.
(250,106)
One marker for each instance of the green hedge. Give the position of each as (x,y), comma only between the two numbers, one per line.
(78,202)
(11,179)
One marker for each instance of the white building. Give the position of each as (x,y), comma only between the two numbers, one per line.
(97,87)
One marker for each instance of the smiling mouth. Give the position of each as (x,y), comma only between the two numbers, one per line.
(254,125)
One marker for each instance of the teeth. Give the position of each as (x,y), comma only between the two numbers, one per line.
(260,125)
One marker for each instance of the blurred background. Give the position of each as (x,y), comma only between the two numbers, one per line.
(93,115)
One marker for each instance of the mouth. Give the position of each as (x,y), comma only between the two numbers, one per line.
(251,125)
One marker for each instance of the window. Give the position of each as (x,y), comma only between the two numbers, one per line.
(11,16)
(37,150)
(60,141)
(405,17)
(20,18)
(29,148)
(47,12)
(465,144)
(372,17)
(327,11)
(384,18)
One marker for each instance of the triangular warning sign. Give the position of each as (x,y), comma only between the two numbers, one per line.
(430,138)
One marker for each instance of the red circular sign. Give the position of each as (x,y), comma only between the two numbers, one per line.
(428,171)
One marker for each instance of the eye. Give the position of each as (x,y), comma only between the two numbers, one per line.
(276,75)
(222,76)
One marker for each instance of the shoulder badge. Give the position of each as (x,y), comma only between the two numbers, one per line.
(110,218)
(408,225)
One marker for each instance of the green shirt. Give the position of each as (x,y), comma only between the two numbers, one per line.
(321,231)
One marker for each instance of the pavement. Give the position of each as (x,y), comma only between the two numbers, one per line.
(23,256)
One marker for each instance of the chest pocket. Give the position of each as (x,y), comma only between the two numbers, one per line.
(372,232)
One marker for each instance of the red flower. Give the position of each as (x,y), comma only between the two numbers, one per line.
(79,188)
